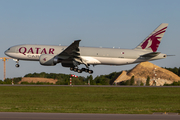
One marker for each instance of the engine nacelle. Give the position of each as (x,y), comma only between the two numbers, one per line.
(48,60)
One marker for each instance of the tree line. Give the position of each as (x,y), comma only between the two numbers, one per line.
(64,79)
(175,70)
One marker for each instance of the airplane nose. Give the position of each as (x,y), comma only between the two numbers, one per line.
(7,52)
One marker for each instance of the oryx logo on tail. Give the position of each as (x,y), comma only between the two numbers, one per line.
(153,40)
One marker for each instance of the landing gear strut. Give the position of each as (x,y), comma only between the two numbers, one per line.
(75,68)
(17,63)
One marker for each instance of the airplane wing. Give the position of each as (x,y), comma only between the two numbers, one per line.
(152,54)
(72,50)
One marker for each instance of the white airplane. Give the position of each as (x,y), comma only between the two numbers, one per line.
(73,55)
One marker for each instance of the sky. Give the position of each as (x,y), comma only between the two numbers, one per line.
(98,23)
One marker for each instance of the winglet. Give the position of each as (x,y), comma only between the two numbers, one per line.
(151,42)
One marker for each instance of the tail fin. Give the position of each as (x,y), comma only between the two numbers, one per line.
(151,43)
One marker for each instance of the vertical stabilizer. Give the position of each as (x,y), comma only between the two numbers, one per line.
(151,42)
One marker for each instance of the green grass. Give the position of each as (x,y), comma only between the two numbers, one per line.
(125,100)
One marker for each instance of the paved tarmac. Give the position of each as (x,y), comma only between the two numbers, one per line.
(84,85)
(74,116)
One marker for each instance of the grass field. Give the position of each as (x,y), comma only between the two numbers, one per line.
(131,100)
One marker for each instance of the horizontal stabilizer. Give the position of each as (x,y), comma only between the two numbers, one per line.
(152,54)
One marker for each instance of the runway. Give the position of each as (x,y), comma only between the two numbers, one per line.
(74,116)
(84,85)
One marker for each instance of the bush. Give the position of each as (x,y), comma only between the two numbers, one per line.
(127,82)
(132,80)
(173,84)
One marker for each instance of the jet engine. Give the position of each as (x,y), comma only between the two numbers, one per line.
(48,60)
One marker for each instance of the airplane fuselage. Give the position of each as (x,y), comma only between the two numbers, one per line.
(92,55)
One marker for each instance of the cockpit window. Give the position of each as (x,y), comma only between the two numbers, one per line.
(8,48)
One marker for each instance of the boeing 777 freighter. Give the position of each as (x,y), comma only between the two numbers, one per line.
(73,55)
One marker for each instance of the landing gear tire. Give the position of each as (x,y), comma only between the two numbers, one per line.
(90,71)
(17,65)
(79,71)
(75,69)
(71,68)
(87,70)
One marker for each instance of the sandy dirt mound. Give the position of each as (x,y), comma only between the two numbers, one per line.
(36,79)
(145,69)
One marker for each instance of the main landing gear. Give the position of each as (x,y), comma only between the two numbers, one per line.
(81,70)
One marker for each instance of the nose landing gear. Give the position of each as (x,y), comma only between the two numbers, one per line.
(17,65)
(17,62)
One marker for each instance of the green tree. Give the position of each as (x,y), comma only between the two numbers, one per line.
(173,84)
(8,81)
(127,82)
(147,81)
(16,80)
(1,82)
(102,80)
(42,74)
(132,80)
